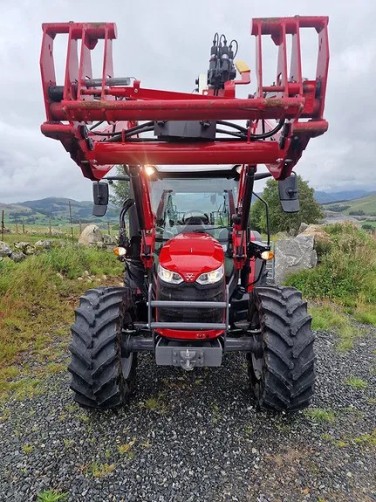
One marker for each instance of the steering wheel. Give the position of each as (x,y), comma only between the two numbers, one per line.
(195,218)
(165,233)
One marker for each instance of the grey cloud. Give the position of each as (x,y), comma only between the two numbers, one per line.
(166,45)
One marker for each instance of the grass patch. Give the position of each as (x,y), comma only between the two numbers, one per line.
(356,383)
(365,314)
(320,415)
(52,496)
(331,317)
(37,308)
(22,388)
(366,439)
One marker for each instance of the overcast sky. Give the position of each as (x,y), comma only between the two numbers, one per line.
(165,44)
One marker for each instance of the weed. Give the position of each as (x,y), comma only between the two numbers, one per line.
(98,470)
(340,443)
(216,415)
(356,383)
(155,404)
(320,415)
(52,496)
(71,408)
(366,439)
(248,431)
(126,447)
(327,437)
(27,448)
(68,443)
(83,417)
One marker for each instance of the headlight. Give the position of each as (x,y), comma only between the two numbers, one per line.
(211,277)
(169,276)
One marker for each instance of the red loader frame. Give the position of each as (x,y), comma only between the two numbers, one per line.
(296,102)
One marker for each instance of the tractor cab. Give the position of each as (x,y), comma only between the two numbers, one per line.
(186,203)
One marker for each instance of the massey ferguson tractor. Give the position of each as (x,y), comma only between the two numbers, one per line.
(195,285)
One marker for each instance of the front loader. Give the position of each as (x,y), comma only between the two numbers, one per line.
(195,281)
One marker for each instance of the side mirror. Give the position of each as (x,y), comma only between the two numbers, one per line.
(289,194)
(100,198)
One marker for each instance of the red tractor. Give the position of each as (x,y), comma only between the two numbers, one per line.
(195,285)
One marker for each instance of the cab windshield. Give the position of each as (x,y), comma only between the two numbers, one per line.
(193,205)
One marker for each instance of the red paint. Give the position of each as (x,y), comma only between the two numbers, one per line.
(190,335)
(191,253)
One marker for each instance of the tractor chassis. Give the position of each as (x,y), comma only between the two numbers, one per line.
(186,354)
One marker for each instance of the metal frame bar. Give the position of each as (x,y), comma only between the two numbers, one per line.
(186,304)
(86,98)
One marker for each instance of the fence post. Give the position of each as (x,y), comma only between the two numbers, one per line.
(2,224)
(70,218)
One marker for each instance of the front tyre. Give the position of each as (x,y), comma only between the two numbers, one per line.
(97,378)
(282,372)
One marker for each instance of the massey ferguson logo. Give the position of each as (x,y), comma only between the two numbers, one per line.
(189,277)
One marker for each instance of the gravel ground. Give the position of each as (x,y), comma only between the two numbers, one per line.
(197,437)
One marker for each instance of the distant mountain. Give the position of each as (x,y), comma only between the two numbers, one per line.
(56,209)
(327,197)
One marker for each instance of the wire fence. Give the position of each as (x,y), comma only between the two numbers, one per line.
(51,228)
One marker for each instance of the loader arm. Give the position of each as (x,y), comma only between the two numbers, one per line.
(82,98)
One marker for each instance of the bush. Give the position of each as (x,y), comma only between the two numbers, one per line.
(347,272)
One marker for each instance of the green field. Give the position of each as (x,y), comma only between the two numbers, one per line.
(365,206)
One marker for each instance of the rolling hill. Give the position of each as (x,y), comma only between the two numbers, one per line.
(55,209)
(363,206)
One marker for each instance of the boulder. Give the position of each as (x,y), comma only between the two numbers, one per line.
(109,240)
(90,236)
(302,227)
(17,256)
(318,233)
(294,255)
(4,249)
(25,247)
(43,244)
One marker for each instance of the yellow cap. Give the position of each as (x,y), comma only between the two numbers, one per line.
(241,66)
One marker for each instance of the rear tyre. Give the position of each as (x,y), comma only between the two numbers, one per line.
(97,378)
(282,372)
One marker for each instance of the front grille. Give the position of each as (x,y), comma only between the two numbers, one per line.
(190,292)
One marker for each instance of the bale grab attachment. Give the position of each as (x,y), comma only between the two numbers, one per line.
(99,118)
